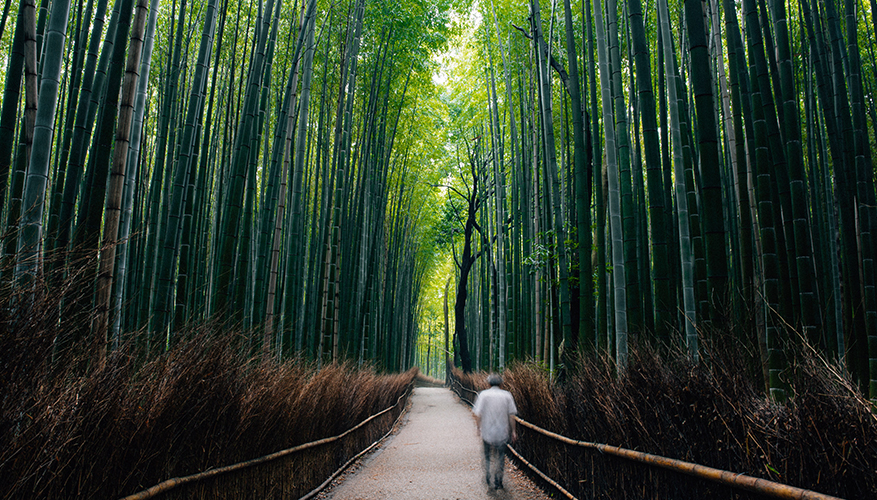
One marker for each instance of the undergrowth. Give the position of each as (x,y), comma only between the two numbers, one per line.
(130,425)
(709,412)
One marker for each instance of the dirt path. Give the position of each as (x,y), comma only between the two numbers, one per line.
(436,455)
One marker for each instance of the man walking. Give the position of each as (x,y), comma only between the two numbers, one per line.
(495,416)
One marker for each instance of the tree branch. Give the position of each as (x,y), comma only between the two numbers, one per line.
(564,77)
(452,188)
(522,30)
(484,245)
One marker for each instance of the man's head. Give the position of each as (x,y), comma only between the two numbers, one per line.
(494,380)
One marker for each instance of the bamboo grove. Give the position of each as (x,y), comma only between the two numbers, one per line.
(245,163)
(600,173)
(670,173)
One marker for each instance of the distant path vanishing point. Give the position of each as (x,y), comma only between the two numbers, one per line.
(436,455)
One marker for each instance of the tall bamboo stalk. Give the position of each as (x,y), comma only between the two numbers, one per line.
(29,250)
(614,196)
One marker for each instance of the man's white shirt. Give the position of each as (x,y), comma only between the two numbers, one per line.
(493,406)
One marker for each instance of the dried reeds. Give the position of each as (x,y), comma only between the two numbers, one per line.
(824,439)
(127,425)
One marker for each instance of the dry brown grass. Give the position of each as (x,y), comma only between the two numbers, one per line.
(70,430)
(202,404)
(824,438)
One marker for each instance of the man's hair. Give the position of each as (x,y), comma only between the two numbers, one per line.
(494,380)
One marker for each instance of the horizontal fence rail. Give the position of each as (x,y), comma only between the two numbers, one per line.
(272,488)
(735,482)
(742,481)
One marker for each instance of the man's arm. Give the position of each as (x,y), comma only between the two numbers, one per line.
(512,427)
(476,410)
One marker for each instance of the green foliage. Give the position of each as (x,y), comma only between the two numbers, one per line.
(448,228)
(436,81)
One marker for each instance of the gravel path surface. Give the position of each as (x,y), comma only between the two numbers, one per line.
(436,455)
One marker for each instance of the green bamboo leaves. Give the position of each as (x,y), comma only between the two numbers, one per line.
(281,176)
(729,229)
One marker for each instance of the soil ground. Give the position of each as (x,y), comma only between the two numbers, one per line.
(435,455)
